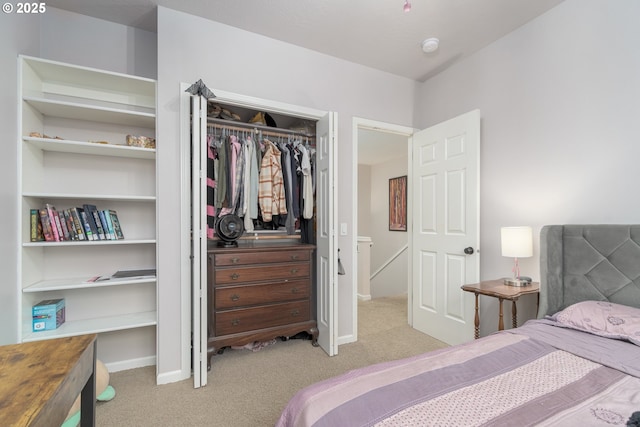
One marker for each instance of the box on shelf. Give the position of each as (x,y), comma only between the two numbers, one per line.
(141,141)
(48,314)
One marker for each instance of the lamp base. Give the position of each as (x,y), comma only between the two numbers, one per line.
(520,281)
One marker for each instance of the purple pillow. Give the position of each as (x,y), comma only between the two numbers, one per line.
(605,319)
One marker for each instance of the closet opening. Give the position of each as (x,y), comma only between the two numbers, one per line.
(234,132)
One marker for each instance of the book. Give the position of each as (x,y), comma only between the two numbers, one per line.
(85,224)
(116,224)
(52,219)
(89,210)
(77,223)
(63,225)
(36,226)
(47,230)
(103,222)
(70,225)
(106,217)
(147,272)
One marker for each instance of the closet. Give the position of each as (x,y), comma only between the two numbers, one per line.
(278,282)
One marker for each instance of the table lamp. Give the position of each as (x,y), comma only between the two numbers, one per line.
(517,242)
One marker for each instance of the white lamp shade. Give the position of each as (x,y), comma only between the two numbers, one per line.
(517,242)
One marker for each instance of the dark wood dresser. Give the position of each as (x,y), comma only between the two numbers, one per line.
(258,293)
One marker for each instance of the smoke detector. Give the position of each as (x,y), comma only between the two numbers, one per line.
(430,45)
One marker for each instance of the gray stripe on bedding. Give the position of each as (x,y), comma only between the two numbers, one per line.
(371,407)
(546,406)
(617,354)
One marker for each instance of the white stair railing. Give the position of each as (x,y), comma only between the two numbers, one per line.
(389,261)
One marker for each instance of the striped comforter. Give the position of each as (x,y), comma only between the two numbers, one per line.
(538,374)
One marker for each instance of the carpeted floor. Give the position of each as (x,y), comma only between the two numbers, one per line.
(250,389)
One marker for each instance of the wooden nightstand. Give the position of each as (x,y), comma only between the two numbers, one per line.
(497,289)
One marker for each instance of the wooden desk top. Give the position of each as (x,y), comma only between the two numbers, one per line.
(39,381)
(497,288)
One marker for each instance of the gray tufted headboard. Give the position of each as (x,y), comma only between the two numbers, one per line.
(588,262)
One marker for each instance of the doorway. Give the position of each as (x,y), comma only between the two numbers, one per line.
(381,152)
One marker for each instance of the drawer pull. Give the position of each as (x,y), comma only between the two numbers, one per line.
(235,322)
(235,260)
(294,290)
(294,270)
(295,313)
(235,276)
(235,297)
(294,257)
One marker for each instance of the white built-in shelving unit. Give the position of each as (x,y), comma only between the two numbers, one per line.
(82,117)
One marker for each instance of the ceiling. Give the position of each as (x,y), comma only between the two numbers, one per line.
(374,33)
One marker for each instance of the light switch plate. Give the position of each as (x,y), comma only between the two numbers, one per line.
(343,228)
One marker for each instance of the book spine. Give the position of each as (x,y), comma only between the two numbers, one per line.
(77,223)
(56,216)
(86,224)
(69,220)
(96,219)
(88,210)
(52,220)
(107,225)
(46,225)
(116,224)
(63,225)
(36,225)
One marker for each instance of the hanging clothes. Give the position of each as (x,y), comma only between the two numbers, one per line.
(211,186)
(271,192)
(250,188)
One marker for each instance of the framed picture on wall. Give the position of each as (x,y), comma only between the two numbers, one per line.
(398,204)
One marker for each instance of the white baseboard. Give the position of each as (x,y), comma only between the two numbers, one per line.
(131,364)
(172,377)
(364,297)
(346,339)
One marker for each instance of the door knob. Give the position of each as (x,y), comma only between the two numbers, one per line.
(468,250)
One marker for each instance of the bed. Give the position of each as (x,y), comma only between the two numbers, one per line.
(578,363)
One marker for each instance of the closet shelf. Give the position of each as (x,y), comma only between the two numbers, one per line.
(90,148)
(95,326)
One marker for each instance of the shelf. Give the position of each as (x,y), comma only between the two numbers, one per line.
(81,283)
(57,77)
(67,196)
(95,326)
(88,112)
(90,243)
(91,148)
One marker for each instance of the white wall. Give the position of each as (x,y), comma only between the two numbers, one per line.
(18,34)
(61,36)
(364,200)
(90,42)
(394,278)
(560,103)
(233,60)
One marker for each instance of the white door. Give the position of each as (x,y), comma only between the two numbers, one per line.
(445,188)
(199,239)
(327,250)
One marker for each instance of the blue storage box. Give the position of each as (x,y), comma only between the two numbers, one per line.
(48,314)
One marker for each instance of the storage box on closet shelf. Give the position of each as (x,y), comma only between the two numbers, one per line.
(141,141)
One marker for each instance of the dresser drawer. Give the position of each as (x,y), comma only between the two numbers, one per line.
(247,295)
(264,257)
(289,271)
(248,319)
